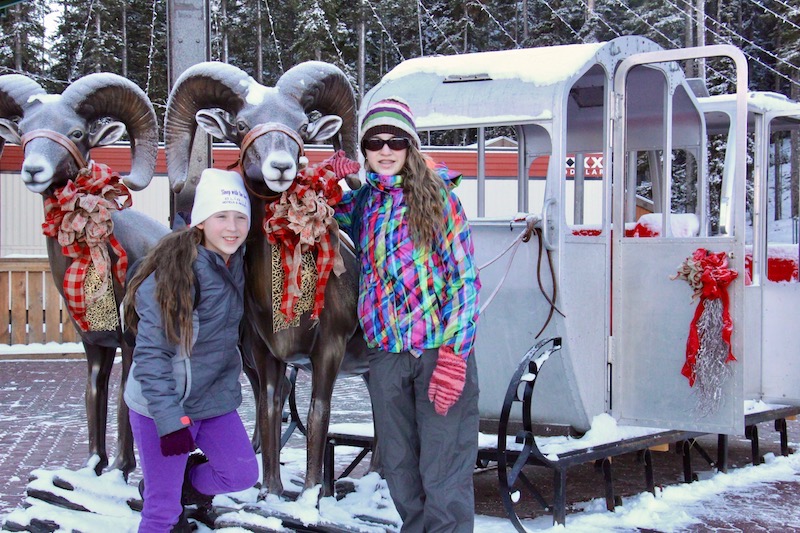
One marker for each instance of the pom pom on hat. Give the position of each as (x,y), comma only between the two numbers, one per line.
(390,115)
(219,190)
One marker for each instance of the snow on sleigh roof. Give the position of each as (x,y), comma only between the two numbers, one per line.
(508,87)
(783,112)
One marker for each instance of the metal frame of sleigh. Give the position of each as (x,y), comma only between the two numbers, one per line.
(630,342)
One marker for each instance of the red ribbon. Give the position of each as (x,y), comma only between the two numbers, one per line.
(709,276)
(302,220)
(79,216)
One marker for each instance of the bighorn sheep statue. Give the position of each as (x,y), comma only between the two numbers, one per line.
(270,126)
(57,133)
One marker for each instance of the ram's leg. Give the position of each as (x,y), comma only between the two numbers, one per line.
(325,367)
(271,377)
(251,371)
(100,361)
(125,459)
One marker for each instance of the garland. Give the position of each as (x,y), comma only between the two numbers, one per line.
(708,347)
(78,215)
(300,221)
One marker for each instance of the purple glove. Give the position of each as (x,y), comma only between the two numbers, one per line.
(341,164)
(177,443)
(447,381)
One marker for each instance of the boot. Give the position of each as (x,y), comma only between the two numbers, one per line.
(189,494)
(183,526)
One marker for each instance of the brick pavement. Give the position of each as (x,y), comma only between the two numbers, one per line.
(42,425)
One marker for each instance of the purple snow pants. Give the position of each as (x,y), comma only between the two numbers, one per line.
(231,466)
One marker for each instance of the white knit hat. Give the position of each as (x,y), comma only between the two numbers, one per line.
(219,190)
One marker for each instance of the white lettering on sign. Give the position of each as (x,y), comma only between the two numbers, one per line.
(592,166)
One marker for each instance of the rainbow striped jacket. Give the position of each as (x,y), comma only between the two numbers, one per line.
(411,299)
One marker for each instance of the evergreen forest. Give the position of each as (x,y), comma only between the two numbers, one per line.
(266,37)
(58,41)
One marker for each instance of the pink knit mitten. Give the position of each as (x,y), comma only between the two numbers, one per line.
(447,380)
(341,165)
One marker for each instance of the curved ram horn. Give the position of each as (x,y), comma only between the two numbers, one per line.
(201,86)
(105,94)
(325,88)
(15,90)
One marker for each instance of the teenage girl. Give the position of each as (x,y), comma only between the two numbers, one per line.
(418,307)
(183,389)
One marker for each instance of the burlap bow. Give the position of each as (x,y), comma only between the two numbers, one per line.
(78,215)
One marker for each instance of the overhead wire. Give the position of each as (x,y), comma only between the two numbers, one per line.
(668,39)
(150,50)
(433,20)
(502,28)
(744,39)
(383,28)
(79,54)
(274,36)
(600,18)
(554,12)
(330,34)
(775,14)
(787,6)
(9,70)
(738,36)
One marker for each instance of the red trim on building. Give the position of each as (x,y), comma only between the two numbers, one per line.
(498,164)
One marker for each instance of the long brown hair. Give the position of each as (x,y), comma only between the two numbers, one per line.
(171,260)
(423,190)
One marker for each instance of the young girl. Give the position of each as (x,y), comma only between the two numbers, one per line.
(418,307)
(183,389)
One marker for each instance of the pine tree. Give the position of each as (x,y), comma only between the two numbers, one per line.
(22,46)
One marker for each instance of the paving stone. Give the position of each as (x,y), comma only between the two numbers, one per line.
(42,425)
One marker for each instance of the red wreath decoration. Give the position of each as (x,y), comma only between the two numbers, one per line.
(708,347)
(302,220)
(79,216)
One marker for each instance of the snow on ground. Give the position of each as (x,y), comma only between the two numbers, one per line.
(673,508)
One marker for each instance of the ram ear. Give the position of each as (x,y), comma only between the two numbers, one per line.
(9,131)
(322,129)
(107,134)
(216,124)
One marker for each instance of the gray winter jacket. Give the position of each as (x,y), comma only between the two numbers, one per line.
(166,384)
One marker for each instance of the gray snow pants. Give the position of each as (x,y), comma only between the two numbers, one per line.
(427,459)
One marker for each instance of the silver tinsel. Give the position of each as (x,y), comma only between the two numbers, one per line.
(711,369)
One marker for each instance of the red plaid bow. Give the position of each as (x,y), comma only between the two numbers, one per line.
(302,220)
(79,216)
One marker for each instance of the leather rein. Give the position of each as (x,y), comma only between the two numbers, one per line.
(255,133)
(525,236)
(59,138)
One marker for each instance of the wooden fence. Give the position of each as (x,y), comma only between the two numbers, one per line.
(36,312)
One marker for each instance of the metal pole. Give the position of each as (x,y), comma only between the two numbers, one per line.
(189,37)
(481,172)
(362,55)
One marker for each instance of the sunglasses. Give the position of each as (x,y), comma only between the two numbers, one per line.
(395,143)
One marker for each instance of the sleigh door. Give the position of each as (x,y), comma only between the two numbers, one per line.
(662,212)
(774,279)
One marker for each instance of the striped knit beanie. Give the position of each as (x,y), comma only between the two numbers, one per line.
(390,115)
